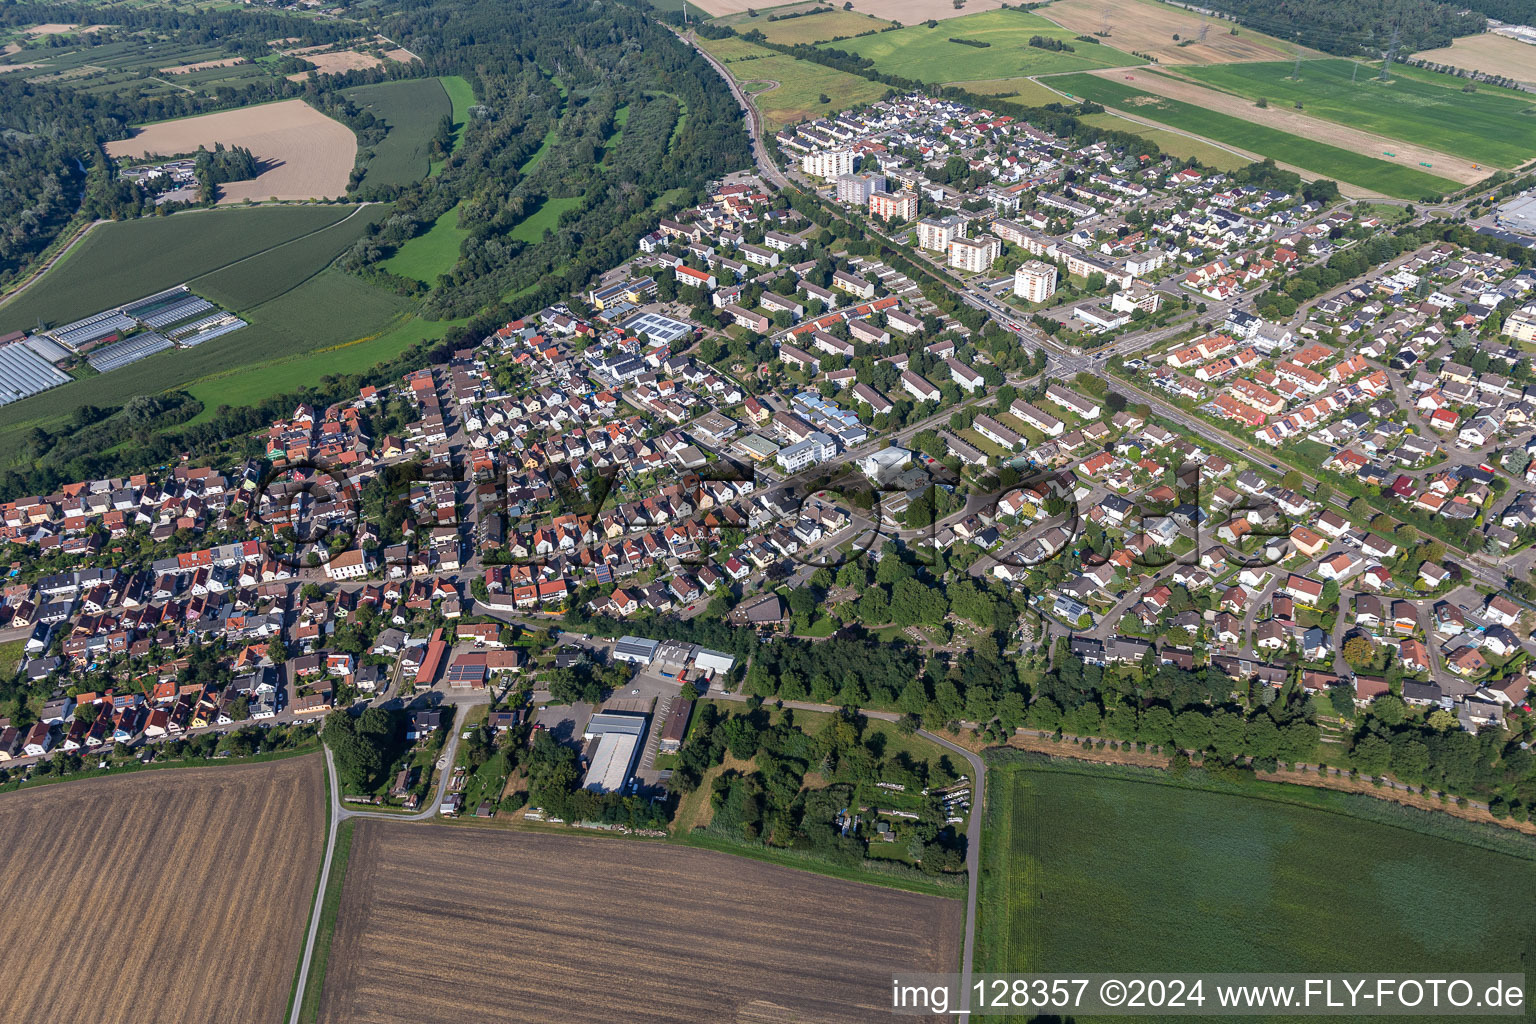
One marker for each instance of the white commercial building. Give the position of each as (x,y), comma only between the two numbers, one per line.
(611,759)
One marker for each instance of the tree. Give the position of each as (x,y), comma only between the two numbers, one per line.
(1359,651)
(1372,754)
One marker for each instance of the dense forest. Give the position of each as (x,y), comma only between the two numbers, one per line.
(1367,27)
(551,84)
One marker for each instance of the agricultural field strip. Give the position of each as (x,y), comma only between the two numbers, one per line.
(1146,26)
(1320,158)
(1279,876)
(567,946)
(1492,129)
(167,252)
(305,155)
(1285,118)
(928,55)
(194,862)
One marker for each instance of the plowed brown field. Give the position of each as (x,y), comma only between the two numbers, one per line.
(304,154)
(176,896)
(448,924)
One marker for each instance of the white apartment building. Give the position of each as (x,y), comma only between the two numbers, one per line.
(829,163)
(1035,281)
(935,233)
(975,255)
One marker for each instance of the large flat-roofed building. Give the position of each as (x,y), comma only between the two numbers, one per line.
(613,740)
(855,189)
(974,255)
(634,649)
(935,233)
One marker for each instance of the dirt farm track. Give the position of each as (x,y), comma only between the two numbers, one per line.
(304,154)
(453,924)
(175,897)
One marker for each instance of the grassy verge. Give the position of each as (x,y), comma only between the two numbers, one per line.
(314,984)
(129,769)
(890,874)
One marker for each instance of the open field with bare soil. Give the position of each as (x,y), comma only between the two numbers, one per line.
(531,927)
(304,154)
(338,62)
(203,65)
(177,896)
(1149,27)
(1489,53)
(1296,122)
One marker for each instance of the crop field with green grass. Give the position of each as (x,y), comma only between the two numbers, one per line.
(1105,869)
(811,28)
(431,253)
(1172,143)
(412,108)
(801,84)
(323,317)
(126,260)
(928,55)
(1020,90)
(265,276)
(1492,126)
(1320,158)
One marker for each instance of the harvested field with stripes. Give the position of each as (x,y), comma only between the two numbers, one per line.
(178,896)
(531,927)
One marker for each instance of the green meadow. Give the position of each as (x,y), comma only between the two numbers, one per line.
(927,54)
(1104,869)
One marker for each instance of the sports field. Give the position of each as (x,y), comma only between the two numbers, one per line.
(533,927)
(1317,157)
(1482,126)
(431,253)
(798,84)
(1103,869)
(927,54)
(126,260)
(176,896)
(412,108)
